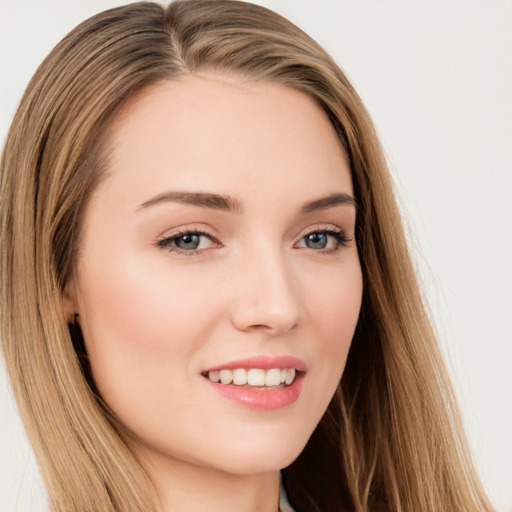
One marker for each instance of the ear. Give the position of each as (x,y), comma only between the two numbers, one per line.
(69,302)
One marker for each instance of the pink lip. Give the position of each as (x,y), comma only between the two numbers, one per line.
(263,362)
(258,398)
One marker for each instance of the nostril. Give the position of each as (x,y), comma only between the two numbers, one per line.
(261,319)
(266,298)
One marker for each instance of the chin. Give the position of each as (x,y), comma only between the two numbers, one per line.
(263,459)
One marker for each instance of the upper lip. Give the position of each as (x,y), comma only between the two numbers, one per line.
(263,362)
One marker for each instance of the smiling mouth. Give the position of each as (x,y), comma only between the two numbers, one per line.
(253,377)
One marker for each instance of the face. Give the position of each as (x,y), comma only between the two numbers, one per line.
(220,246)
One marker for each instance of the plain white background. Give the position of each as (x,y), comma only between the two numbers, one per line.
(436,76)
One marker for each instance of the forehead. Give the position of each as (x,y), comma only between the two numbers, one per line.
(225,134)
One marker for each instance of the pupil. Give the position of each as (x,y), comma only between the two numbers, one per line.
(316,241)
(188,242)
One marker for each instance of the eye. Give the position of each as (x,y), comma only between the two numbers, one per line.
(324,240)
(316,240)
(188,242)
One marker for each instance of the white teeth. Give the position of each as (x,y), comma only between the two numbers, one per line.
(290,375)
(273,377)
(254,376)
(239,377)
(214,376)
(226,376)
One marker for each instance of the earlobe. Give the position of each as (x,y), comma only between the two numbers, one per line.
(69,302)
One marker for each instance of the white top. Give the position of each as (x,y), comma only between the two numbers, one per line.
(284,504)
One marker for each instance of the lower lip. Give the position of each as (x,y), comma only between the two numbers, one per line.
(260,398)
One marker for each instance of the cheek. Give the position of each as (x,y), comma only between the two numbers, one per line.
(333,301)
(341,312)
(345,316)
(333,313)
(141,327)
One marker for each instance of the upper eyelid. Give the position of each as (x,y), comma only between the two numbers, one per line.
(166,240)
(179,234)
(325,227)
(200,229)
(165,243)
(339,233)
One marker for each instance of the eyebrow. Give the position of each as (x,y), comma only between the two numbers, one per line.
(328,202)
(204,200)
(229,204)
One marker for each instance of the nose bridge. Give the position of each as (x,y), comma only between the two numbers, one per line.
(265,297)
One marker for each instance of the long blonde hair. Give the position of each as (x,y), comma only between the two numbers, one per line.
(391,438)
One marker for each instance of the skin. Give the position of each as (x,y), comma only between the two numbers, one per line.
(155,316)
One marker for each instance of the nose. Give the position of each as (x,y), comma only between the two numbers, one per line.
(265,298)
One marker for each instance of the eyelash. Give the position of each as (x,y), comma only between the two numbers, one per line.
(339,235)
(167,241)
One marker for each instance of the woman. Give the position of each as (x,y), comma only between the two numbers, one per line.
(194,204)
